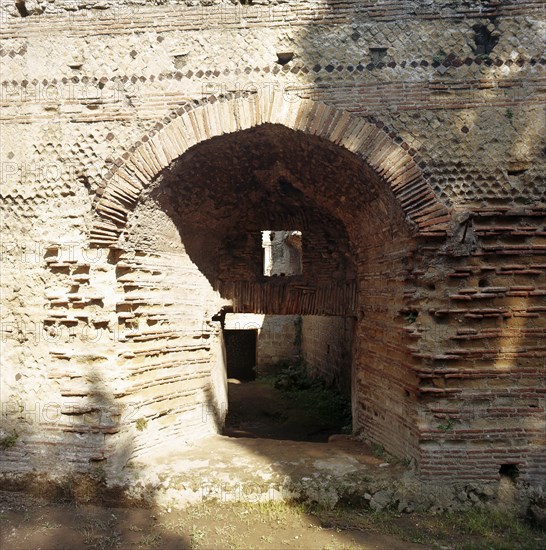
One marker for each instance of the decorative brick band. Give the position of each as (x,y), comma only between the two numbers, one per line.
(386,153)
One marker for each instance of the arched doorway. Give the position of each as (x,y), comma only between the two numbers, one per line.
(190,216)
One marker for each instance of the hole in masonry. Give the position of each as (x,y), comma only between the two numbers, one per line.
(516,171)
(114,256)
(21,8)
(284,57)
(483,283)
(378,54)
(410,316)
(510,471)
(484,40)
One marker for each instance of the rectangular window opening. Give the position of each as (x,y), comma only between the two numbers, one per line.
(282,253)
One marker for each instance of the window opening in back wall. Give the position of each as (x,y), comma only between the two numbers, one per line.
(282,253)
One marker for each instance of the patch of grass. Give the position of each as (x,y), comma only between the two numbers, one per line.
(411,316)
(405,461)
(9,440)
(268,379)
(274,510)
(89,535)
(279,524)
(50,525)
(200,511)
(378,450)
(225,531)
(112,540)
(476,529)
(196,536)
(99,533)
(151,539)
(96,523)
(448,425)
(331,408)
(490,524)
(439,56)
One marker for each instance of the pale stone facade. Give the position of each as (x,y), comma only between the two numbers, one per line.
(146,146)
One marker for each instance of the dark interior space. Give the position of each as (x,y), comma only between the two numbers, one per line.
(275,181)
(241,354)
(286,406)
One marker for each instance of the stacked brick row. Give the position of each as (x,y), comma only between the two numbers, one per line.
(449,354)
(370,141)
(483,381)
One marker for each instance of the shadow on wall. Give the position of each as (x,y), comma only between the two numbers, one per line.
(95,440)
(88,466)
(326,348)
(482,353)
(271,184)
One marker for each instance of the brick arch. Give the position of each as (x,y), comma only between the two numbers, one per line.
(387,154)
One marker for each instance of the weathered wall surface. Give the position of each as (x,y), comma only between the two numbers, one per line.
(326,347)
(277,340)
(110,351)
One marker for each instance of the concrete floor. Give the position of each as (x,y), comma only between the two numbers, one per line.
(254,470)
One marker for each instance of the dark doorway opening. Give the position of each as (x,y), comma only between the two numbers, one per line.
(290,378)
(241,354)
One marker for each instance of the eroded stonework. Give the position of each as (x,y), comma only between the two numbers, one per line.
(146,145)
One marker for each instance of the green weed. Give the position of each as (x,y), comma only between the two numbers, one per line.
(9,440)
(141,424)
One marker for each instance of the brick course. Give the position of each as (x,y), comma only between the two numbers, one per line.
(139,147)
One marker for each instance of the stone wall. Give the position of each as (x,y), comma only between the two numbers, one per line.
(326,347)
(141,144)
(276,340)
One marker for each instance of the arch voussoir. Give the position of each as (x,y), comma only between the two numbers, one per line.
(389,157)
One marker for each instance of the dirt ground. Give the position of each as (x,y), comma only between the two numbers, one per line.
(256,409)
(30,524)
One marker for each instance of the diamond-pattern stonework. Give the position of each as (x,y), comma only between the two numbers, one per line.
(145,146)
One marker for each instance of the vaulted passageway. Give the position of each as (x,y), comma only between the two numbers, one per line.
(225,193)
(205,216)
